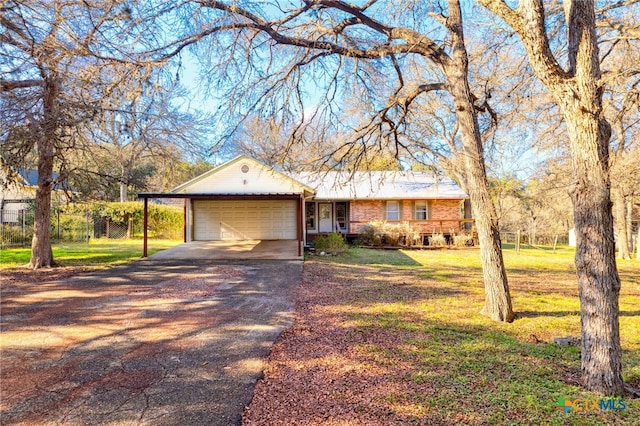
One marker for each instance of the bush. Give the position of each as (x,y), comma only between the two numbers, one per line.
(72,227)
(331,243)
(377,233)
(462,240)
(369,235)
(12,235)
(437,240)
(163,221)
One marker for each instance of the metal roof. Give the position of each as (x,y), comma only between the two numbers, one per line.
(381,185)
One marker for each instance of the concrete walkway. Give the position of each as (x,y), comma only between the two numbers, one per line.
(229,250)
(154,342)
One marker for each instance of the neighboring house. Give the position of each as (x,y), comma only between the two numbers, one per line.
(244,199)
(18,192)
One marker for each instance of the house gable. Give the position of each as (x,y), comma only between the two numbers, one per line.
(243,175)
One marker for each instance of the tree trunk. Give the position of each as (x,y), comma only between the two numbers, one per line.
(578,93)
(123,192)
(124,179)
(497,298)
(41,252)
(598,280)
(620,221)
(629,221)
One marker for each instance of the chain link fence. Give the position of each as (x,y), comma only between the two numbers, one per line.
(16,227)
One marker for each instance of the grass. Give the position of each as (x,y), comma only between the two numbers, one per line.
(484,372)
(479,371)
(99,252)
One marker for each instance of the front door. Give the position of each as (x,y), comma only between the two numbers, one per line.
(325,212)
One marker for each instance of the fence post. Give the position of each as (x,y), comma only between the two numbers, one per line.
(24,227)
(518,241)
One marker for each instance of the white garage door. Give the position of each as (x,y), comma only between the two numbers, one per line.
(245,220)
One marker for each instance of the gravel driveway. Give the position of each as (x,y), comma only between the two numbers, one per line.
(147,343)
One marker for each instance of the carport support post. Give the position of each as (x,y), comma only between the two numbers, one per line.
(300,224)
(184,216)
(144,226)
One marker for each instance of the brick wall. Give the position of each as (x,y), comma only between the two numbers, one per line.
(441,210)
(364,211)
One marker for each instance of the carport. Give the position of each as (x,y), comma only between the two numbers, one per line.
(242,237)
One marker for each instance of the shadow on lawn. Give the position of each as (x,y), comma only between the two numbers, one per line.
(537,314)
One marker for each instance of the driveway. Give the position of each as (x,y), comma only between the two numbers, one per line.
(153,342)
(229,250)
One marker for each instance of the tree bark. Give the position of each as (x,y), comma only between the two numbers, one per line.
(497,297)
(41,252)
(620,222)
(578,93)
(598,280)
(123,192)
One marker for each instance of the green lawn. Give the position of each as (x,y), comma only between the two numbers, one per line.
(99,252)
(484,372)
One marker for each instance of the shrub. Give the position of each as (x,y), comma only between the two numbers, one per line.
(71,227)
(377,233)
(462,240)
(13,235)
(438,240)
(163,221)
(331,243)
(369,235)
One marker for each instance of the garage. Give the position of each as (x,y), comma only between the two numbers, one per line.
(245,220)
(241,200)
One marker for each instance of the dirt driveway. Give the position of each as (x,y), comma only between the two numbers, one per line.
(152,342)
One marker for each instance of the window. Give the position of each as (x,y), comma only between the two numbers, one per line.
(393,210)
(310,214)
(421,210)
(341,215)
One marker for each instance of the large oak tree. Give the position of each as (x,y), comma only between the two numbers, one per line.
(577,89)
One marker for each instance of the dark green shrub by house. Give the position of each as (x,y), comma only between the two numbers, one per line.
(330,243)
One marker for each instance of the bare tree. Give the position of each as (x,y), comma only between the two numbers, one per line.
(49,83)
(141,124)
(621,107)
(577,89)
(385,54)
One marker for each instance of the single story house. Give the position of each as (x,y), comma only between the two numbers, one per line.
(245,199)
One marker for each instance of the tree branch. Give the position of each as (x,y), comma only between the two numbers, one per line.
(415,42)
(8,85)
(529,23)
